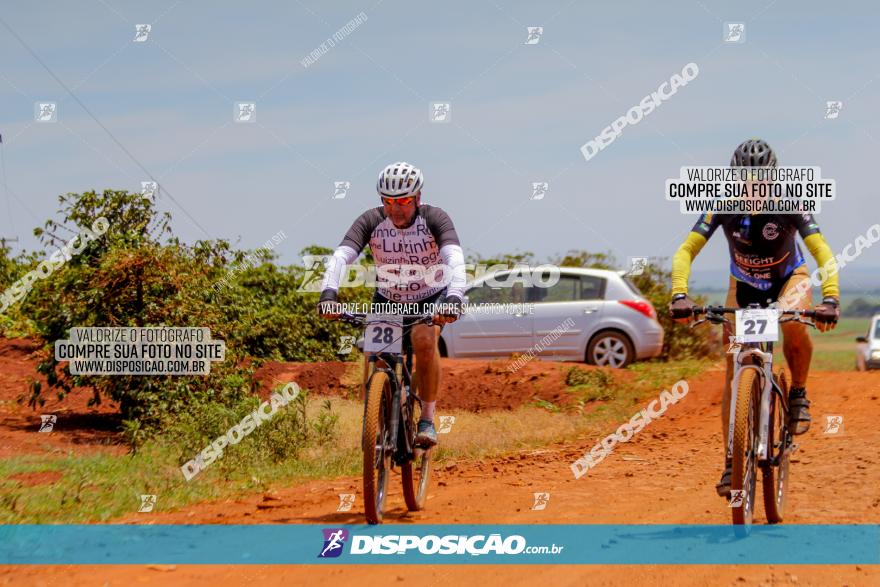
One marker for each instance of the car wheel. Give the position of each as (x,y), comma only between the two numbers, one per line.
(610,349)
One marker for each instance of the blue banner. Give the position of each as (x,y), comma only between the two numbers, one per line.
(437,544)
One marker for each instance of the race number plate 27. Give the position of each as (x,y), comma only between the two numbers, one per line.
(757,325)
(384,334)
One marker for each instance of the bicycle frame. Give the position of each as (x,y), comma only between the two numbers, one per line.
(399,370)
(762,354)
(768,387)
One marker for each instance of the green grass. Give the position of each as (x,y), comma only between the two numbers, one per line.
(836,350)
(623,399)
(101,487)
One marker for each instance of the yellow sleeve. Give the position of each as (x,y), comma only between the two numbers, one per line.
(820,250)
(681,262)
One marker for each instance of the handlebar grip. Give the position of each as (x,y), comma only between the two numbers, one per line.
(682,312)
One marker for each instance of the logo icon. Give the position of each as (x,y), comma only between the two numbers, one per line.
(346,501)
(833,424)
(637,265)
(734,32)
(737,497)
(446,423)
(147,504)
(334,540)
(771,231)
(141,32)
(341,189)
(441,112)
(832,109)
(541,501)
(245,112)
(735,344)
(539,190)
(314,265)
(149,189)
(47,423)
(534,35)
(346,342)
(46,112)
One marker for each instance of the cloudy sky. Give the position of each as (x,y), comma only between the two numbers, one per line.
(164,108)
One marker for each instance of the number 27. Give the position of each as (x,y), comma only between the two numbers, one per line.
(751,324)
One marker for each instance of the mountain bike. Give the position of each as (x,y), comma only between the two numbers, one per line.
(391,405)
(758,432)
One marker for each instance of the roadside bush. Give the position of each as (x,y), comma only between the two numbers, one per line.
(860,308)
(593,377)
(270,319)
(131,277)
(591,384)
(282,437)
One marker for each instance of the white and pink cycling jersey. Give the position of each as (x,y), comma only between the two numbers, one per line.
(429,242)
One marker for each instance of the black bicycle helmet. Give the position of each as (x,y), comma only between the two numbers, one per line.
(753,153)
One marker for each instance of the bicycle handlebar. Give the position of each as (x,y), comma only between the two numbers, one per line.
(360,319)
(715,315)
(718,310)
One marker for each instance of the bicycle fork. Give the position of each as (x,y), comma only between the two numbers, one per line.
(766,377)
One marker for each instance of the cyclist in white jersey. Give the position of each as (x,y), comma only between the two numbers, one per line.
(405,234)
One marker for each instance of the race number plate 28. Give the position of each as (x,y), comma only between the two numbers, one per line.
(384,334)
(757,325)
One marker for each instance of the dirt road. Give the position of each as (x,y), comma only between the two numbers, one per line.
(666,474)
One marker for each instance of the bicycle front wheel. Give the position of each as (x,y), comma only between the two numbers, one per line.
(376,446)
(416,473)
(745,449)
(774,474)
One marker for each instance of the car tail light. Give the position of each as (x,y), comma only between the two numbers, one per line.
(640,306)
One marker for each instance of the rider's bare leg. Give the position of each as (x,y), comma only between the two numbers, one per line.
(427,369)
(797,346)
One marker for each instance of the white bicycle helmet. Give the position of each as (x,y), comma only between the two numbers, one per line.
(400,180)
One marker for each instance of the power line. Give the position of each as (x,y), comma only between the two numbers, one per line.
(99,123)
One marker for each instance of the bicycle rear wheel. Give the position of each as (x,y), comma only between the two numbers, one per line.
(745,447)
(415,473)
(774,475)
(376,446)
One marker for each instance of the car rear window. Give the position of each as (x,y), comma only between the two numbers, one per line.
(877,329)
(506,289)
(592,287)
(570,288)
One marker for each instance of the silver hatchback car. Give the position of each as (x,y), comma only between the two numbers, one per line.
(591,315)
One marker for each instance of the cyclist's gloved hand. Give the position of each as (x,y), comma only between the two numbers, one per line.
(682,309)
(327,305)
(827,314)
(449,309)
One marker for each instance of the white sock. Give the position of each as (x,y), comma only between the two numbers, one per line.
(428,411)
